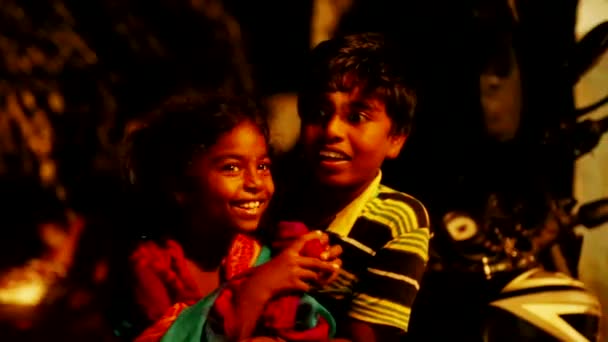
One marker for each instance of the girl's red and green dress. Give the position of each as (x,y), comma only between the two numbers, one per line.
(292,318)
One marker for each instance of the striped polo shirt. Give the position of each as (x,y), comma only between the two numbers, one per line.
(385,235)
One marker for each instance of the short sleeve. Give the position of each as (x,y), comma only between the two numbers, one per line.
(387,288)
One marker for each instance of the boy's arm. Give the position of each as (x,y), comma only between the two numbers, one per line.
(386,291)
(362,331)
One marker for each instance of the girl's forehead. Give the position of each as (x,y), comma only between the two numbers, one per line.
(245,138)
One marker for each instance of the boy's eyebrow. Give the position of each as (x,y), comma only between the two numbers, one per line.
(362,104)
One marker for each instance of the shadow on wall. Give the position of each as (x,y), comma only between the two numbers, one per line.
(284,121)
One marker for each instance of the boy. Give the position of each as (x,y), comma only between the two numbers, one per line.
(356,108)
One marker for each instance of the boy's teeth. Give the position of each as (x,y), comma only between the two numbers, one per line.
(250,205)
(330,154)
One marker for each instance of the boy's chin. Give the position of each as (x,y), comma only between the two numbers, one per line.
(335,180)
(345,182)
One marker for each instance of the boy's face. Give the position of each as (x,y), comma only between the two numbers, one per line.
(348,138)
(233,183)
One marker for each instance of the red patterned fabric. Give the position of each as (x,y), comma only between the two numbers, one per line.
(164,286)
(162,278)
(156,332)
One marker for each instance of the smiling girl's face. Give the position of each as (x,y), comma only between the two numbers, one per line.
(232,180)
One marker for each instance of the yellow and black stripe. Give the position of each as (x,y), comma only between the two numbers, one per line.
(384,256)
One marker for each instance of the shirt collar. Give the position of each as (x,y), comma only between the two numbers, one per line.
(345,219)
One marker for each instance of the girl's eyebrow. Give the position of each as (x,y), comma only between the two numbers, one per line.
(222,157)
(239,157)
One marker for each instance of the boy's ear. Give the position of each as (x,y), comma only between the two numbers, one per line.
(396,142)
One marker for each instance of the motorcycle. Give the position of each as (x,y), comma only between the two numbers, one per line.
(491,254)
(525,301)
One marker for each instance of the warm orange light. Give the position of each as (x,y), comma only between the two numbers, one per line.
(26,293)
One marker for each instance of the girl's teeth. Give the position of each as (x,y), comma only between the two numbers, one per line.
(251,205)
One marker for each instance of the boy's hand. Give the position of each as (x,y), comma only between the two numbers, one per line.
(331,255)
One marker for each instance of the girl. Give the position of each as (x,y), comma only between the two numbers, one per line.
(203,168)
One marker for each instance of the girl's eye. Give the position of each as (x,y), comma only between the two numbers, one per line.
(318,115)
(230,168)
(264,167)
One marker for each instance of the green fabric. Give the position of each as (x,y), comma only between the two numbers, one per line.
(263,257)
(190,324)
(188,327)
(317,311)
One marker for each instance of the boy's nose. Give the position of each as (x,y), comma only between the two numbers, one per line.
(333,128)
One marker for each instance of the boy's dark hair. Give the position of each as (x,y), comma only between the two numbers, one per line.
(159,153)
(367,63)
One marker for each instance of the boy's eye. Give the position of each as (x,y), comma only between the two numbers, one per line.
(356,117)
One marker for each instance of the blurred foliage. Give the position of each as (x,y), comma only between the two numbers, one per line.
(72,75)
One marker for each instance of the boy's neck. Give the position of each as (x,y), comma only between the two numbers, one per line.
(331,200)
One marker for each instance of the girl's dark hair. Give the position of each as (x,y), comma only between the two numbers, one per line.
(157,154)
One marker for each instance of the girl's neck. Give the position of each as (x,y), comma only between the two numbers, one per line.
(207,249)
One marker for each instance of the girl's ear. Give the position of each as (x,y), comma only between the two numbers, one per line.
(180,197)
(180,190)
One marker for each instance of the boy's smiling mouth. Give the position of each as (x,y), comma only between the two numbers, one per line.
(332,158)
(331,154)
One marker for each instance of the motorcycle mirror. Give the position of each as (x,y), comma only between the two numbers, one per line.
(588,51)
(594,213)
(587,134)
(587,54)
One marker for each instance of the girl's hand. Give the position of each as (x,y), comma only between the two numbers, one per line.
(290,271)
